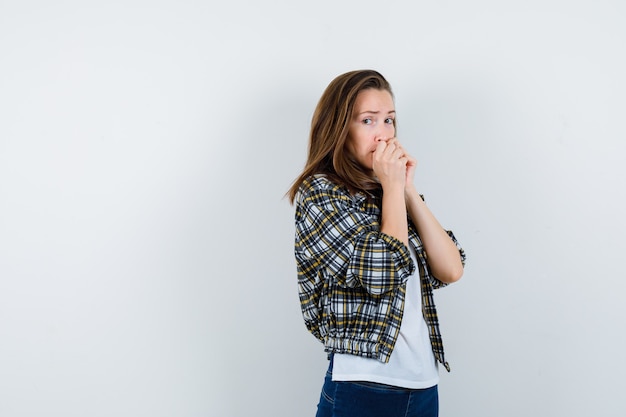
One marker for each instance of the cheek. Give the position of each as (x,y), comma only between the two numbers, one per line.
(359,141)
(354,140)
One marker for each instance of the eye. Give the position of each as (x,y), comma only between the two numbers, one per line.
(389,121)
(367,121)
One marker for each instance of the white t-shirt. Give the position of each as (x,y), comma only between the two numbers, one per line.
(412,363)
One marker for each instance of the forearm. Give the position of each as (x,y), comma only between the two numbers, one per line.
(394,214)
(443,255)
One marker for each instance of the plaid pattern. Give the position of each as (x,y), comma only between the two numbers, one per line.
(351,276)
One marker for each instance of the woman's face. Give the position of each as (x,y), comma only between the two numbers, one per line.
(372,121)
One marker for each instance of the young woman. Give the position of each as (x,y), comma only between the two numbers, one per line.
(369,253)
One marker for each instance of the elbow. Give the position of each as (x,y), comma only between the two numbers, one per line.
(451,274)
(456,275)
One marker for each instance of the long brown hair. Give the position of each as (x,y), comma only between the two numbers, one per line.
(329,131)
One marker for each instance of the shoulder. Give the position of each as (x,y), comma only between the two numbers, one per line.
(318,188)
(321,191)
(318,182)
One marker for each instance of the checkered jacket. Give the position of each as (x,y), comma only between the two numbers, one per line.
(351,276)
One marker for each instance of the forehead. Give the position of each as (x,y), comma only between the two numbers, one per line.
(374,100)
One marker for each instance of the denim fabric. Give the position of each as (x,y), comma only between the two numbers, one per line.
(370,399)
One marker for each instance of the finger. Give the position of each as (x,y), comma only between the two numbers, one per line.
(380,148)
(385,149)
(394,140)
(398,152)
(396,143)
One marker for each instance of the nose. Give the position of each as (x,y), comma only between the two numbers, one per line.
(381,139)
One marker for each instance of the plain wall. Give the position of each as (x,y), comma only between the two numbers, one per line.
(146,249)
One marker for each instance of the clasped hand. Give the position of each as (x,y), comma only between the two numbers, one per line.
(393,165)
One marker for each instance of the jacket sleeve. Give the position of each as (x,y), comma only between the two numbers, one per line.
(434,282)
(336,238)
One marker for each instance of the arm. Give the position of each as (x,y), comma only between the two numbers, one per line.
(444,259)
(389,165)
(337,240)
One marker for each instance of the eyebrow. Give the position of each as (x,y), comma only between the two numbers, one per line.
(375,112)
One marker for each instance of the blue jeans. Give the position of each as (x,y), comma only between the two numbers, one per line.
(369,399)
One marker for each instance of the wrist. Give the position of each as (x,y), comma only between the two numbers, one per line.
(393,187)
(410,191)
(413,198)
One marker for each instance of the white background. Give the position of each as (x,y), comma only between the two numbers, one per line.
(146,249)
